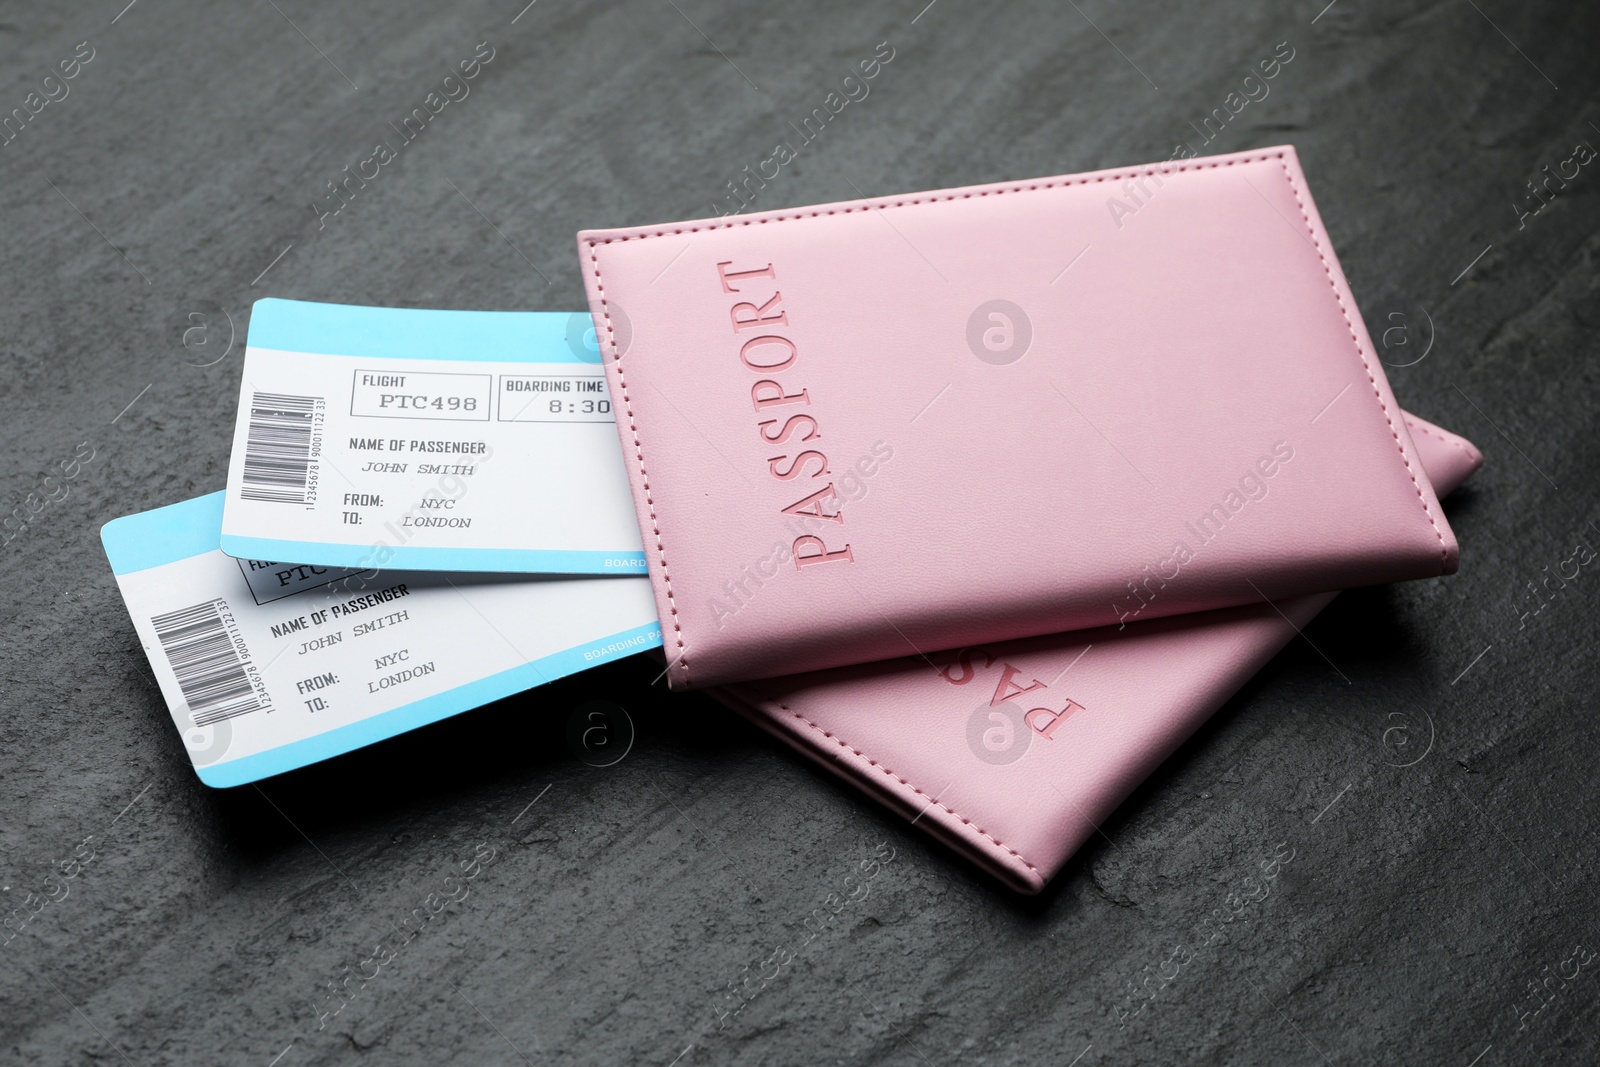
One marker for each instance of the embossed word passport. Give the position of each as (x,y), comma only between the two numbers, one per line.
(428,440)
(1013,753)
(1096,415)
(268,666)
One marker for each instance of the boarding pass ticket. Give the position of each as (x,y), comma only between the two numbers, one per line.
(427,440)
(266,666)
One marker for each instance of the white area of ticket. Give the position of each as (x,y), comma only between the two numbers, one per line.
(266,667)
(428,440)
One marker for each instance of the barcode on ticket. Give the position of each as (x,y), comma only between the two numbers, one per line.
(210,666)
(277,456)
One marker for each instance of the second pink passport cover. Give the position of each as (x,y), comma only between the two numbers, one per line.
(867,429)
(1014,753)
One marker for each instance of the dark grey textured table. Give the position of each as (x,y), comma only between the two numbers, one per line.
(1438,912)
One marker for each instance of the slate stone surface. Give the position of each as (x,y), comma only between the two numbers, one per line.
(1440,912)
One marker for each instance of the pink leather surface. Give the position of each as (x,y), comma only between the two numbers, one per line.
(1172,349)
(902,730)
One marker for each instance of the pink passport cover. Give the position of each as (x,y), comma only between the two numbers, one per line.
(911,732)
(1174,407)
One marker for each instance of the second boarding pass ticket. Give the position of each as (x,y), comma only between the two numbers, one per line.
(427,440)
(270,666)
